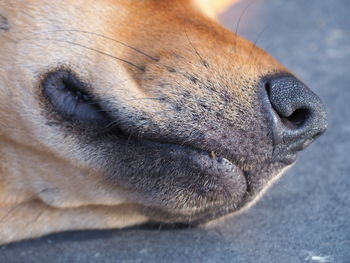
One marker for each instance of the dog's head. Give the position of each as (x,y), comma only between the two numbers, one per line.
(148,103)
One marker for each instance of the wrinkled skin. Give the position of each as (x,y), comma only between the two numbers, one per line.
(184,137)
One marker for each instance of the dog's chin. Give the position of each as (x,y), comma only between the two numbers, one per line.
(210,211)
(187,185)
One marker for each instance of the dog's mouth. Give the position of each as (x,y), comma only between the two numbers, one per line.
(214,186)
(187,185)
(172,181)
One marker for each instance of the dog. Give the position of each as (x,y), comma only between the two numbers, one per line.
(115,113)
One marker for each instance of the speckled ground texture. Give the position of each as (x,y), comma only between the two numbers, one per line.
(305,217)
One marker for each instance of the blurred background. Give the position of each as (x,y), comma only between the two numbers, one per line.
(305,217)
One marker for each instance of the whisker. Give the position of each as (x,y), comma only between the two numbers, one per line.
(129,138)
(141,68)
(109,38)
(92,49)
(146,98)
(257,39)
(203,61)
(263,54)
(239,21)
(103,53)
(111,125)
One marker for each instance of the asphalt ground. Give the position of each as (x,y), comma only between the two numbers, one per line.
(305,217)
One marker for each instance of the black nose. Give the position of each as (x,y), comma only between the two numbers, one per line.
(297,114)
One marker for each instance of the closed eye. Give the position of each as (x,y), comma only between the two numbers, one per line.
(69,97)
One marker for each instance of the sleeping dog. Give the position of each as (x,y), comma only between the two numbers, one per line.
(118,112)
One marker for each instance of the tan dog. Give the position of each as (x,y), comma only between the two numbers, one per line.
(120,112)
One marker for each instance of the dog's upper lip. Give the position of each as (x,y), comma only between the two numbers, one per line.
(220,159)
(286,156)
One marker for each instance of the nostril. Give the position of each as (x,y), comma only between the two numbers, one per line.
(297,119)
(268,88)
(296,113)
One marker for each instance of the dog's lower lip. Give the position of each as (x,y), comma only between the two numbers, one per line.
(221,184)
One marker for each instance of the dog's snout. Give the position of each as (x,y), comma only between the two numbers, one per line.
(298,115)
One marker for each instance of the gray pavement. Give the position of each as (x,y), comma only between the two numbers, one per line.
(305,217)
